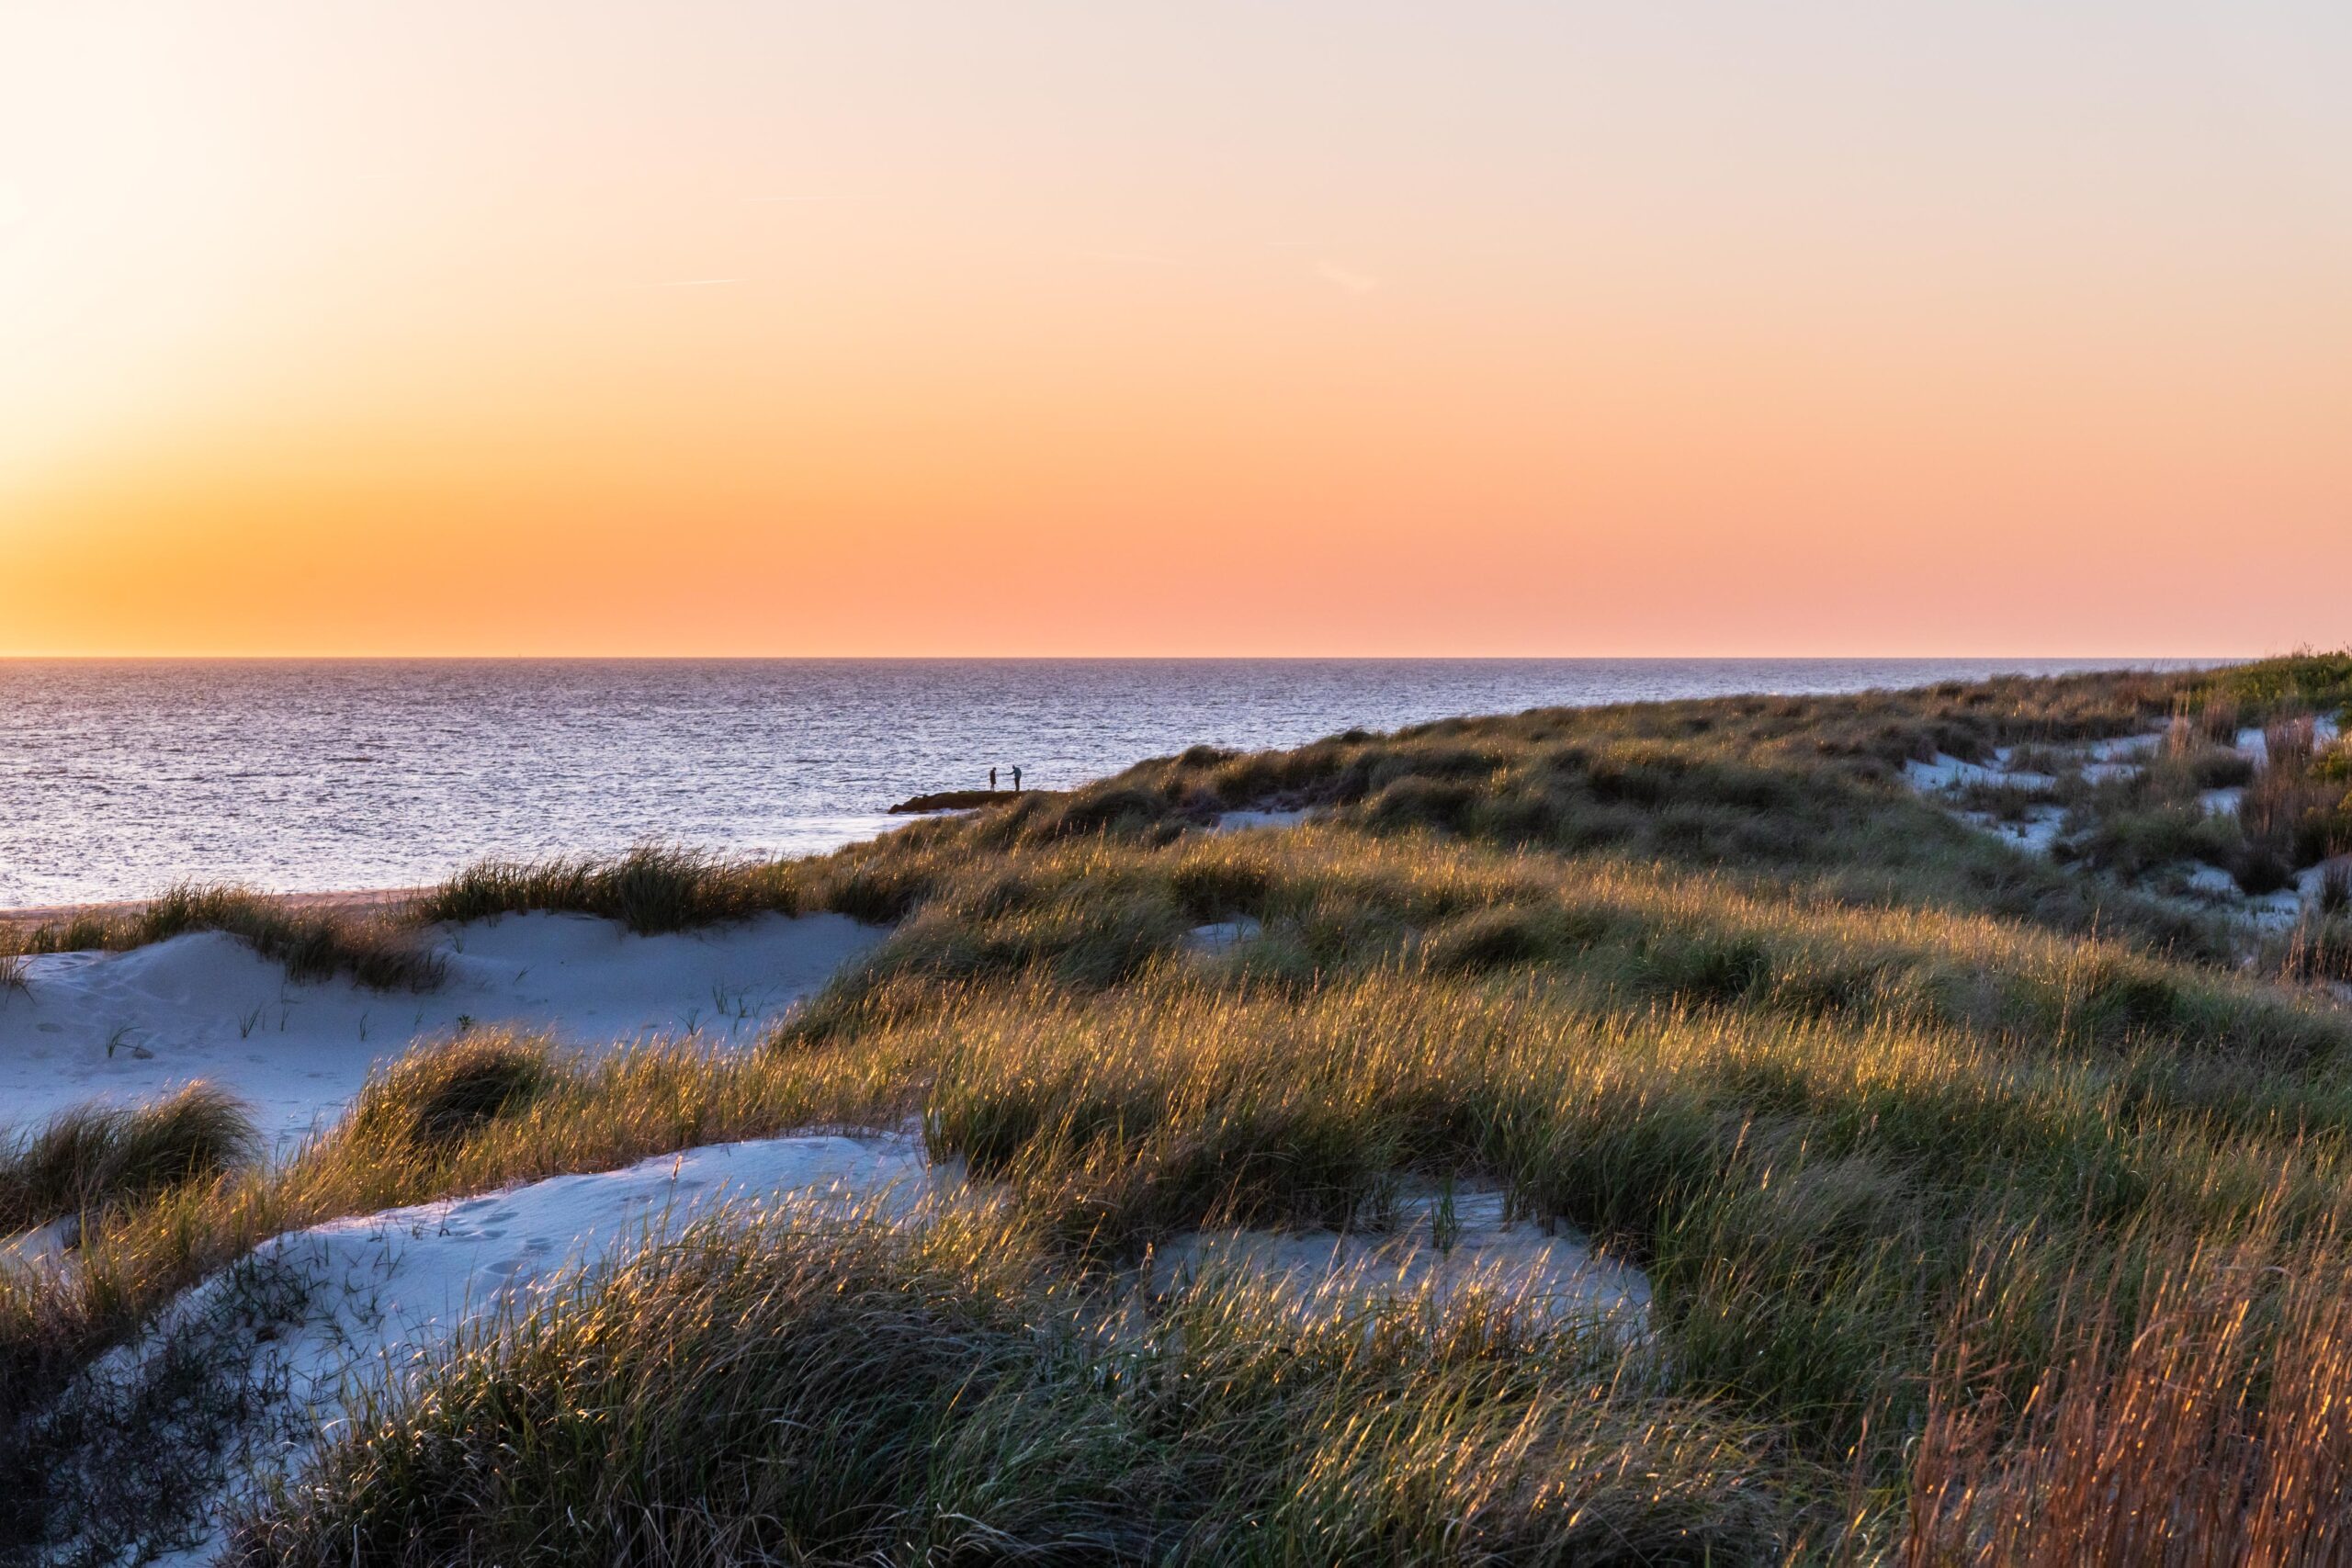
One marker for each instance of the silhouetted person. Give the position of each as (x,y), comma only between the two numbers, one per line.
(991,781)
(1016,781)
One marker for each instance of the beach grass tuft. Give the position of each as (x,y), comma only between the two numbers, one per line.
(433,1097)
(653,888)
(381,952)
(98,1156)
(803,1384)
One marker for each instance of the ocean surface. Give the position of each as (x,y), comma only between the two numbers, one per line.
(117,778)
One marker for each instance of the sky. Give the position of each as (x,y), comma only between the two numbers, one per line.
(1226,327)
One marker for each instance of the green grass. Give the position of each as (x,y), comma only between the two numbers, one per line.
(1978,1195)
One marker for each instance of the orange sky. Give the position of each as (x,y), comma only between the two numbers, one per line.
(1219,328)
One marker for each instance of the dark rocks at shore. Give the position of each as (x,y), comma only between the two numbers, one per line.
(956,800)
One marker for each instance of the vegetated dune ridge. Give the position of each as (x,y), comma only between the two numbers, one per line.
(203,1004)
(1990,1202)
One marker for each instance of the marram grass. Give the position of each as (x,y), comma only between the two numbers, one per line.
(1994,1210)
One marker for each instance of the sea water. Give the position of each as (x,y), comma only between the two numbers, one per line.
(118,777)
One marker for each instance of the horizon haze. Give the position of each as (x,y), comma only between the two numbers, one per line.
(1062,330)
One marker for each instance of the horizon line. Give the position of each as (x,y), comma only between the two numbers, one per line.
(247,657)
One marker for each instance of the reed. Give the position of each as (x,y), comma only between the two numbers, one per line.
(2202,1425)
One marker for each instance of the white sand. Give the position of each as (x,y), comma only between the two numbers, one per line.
(1331,1270)
(1242,821)
(1950,772)
(1947,771)
(2126,746)
(132,1025)
(386,1290)
(1223,936)
(2035,833)
(2210,880)
(2220,802)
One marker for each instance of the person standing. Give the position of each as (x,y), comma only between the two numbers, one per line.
(991,781)
(1016,781)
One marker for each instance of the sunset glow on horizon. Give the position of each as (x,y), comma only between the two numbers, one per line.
(1106,328)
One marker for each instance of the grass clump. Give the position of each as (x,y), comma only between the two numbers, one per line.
(2201,1424)
(2335,896)
(653,888)
(313,944)
(432,1098)
(2293,816)
(96,1157)
(2131,842)
(804,1386)
(2306,683)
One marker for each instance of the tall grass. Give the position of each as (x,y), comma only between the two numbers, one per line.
(96,1157)
(1975,1193)
(1807,1197)
(2293,815)
(456,1117)
(654,887)
(803,1385)
(383,952)
(2208,1426)
(1332,903)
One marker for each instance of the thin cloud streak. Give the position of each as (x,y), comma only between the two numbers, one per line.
(1356,283)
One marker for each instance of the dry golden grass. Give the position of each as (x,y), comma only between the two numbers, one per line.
(2207,1426)
(1992,1212)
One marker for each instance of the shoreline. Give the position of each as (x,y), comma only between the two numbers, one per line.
(32,917)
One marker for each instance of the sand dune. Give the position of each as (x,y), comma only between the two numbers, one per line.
(206,1005)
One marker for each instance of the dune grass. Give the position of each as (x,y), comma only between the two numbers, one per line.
(454,1117)
(2208,1427)
(1978,1196)
(96,1157)
(654,887)
(801,1386)
(314,944)
(431,1099)
(1331,902)
(1810,1198)
(2294,805)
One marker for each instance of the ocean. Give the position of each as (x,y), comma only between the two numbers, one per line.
(119,777)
